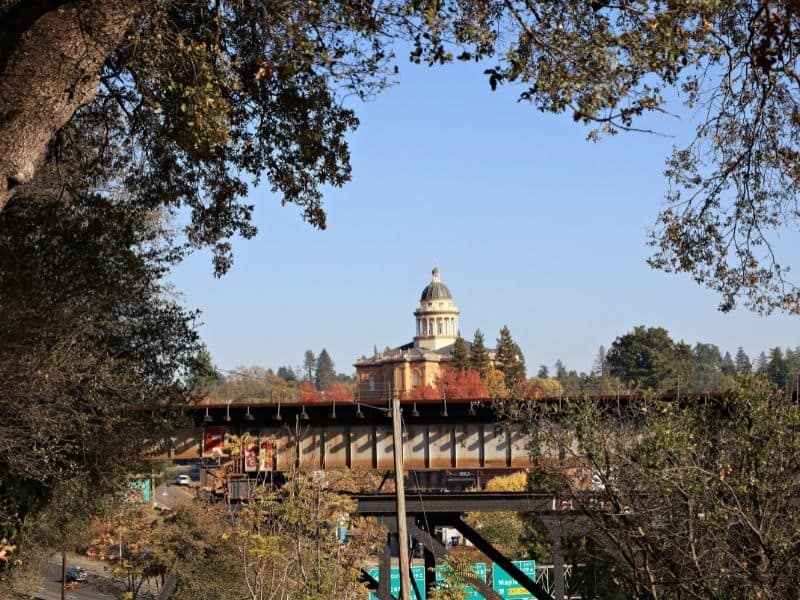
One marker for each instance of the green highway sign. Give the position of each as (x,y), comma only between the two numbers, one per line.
(418,573)
(507,586)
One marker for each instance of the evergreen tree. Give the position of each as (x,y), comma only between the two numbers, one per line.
(776,368)
(509,359)
(309,364)
(742,361)
(728,367)
(561,370)
(460,355)
(600,367)
(761,363)
(543,373)
(708,367)
(287,373)
(324,374)
(479,355)
(203,374)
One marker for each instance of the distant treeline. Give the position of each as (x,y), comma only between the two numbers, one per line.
(316,377)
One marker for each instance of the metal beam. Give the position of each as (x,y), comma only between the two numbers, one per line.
(439,552)
(378,504)
(496,556)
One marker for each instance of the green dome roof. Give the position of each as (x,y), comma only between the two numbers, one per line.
(435,290)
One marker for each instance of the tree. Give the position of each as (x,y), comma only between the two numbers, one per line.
(644,358)
(210,95)
(196,100)
(776,368)
(460,354)
(560,369)
(94,355)
(599,367)
(708,367)
(339,391)
(690,499)
(728,367)
(496,385)
(761,363)
(543,387)
(309,365)
(479,355)
(287,546)
(543,372)
(324,372)
(203,374)
(287,373)
(306,392)
(505,530)
(509,358)
(743,366)
(466,385)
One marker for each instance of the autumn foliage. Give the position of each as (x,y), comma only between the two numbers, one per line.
(464,384)
(337,391)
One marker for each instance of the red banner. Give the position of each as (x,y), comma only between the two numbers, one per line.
(213,440)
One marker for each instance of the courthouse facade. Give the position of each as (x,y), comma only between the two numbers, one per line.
(402,371)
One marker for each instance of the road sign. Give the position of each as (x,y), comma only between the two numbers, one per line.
(508,587)
(418,573)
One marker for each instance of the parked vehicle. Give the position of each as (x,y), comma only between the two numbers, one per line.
(183,480)
(78,574)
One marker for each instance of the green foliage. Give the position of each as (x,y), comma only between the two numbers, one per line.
(610,64)
(286,543)
(695,499)
(460,355)
(743,365)
(509,359)
(93,354)
(324,372)
(203,99)
(479,355)
(648,358)
(309,365)
(777,369)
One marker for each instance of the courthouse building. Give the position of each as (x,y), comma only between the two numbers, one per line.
(403,370)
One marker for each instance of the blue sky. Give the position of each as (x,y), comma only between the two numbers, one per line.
(531,225)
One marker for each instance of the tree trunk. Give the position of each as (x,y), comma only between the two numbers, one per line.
(54,69)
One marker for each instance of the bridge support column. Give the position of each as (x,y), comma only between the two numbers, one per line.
(384,570)
(558,565)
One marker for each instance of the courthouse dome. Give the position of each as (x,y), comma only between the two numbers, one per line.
(435,290)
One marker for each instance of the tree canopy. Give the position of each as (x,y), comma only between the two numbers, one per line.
(688,500)
(192,102)
(93,355)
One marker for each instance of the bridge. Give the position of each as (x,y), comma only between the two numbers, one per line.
(448,445)
(437,435)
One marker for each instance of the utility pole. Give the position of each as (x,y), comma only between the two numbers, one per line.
(63,575)
(399,476)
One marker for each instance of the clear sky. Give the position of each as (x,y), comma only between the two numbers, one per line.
(531,225)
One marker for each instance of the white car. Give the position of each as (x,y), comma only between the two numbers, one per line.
(183,480)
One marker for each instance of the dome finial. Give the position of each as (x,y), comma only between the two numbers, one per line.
(435,273)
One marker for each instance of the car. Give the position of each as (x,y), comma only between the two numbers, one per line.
(78,574)
(183,480)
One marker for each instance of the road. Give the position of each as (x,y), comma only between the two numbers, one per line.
(100,585)
(97,588)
